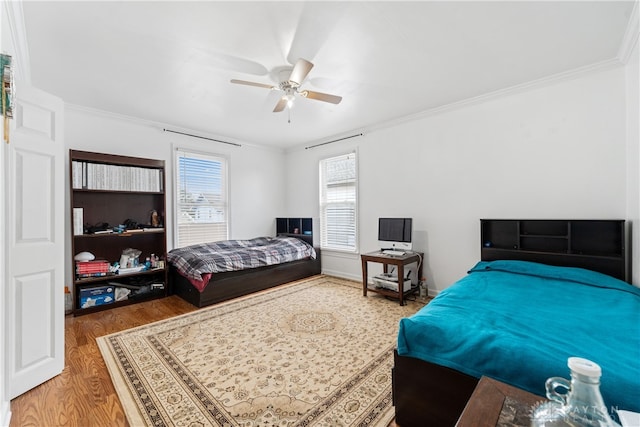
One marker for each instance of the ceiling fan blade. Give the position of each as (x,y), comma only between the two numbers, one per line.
(334,99)
(300,71)
(244,82)
(280,105)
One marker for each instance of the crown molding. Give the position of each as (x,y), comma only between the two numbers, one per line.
(630,39)
(15,18)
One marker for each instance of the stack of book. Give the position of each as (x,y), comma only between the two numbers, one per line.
(99,176)
(93,268)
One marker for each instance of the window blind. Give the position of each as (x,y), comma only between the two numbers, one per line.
(338,202)
(202,209)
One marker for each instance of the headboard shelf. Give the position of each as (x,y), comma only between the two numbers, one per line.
(597,245)
(302,228)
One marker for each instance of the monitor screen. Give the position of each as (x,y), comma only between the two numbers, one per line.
(394,230)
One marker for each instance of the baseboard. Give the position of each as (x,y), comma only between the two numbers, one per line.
(5,413)
(433,293)
(358,278)
(342,275)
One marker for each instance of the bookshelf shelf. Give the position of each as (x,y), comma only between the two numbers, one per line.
(114,234)
(506,238)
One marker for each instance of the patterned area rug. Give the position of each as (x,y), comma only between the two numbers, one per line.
(314,353)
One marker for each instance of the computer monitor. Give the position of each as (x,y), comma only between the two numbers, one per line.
(394,233)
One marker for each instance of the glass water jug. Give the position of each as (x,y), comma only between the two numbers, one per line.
(582,404)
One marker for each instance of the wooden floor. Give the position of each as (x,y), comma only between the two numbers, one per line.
(83,395)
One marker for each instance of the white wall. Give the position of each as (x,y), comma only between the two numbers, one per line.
(552,152)
(256,175)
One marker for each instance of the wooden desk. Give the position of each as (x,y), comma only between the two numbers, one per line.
(386,260)
(488,400)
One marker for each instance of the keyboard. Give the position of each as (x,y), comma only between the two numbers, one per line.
(393,252)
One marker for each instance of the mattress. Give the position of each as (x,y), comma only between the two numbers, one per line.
(519,322)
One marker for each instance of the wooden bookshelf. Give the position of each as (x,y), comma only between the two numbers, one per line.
(108,191)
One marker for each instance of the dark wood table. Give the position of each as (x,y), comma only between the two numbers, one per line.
(386,260)
(492,398)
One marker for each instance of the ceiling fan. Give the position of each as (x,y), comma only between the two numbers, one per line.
(291,87)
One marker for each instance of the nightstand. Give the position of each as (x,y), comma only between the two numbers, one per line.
(492,400)
(386,260)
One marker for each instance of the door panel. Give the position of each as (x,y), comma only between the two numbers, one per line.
(35,231)
(34,217)
(34,292)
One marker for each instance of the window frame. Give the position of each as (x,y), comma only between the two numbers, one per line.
(347,249)
(179,152)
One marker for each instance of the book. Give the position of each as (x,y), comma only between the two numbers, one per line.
(89,267)
(93,268)
(78,221)
(89,270)
(131,270)
(91,275)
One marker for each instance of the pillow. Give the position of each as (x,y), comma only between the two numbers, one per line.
(573,274)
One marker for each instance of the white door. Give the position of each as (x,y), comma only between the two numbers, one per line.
(34,276)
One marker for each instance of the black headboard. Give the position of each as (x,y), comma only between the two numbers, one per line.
(302,228)
(598,245)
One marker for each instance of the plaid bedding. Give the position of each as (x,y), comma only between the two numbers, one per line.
(196,262)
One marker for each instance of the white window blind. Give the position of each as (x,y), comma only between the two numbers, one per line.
(201,183)
(338,202)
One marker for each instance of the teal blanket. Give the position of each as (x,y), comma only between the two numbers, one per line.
(519,322)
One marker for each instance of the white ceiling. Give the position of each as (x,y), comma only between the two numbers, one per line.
(171,62)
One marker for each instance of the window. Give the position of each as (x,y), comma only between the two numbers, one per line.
(338,201)
(201,194)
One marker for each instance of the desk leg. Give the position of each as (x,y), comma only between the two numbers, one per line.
(364,277)
(401,282)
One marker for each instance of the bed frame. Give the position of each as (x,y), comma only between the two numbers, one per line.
(429,394)
(233,284)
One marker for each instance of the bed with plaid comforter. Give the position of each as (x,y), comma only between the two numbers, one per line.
(198,262)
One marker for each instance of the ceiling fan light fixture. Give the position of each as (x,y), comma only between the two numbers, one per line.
(289,97)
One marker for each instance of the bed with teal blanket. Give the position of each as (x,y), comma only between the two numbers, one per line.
(519,322)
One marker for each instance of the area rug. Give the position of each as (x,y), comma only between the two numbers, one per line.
(314,353)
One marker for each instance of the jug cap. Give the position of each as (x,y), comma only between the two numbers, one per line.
(584,367)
